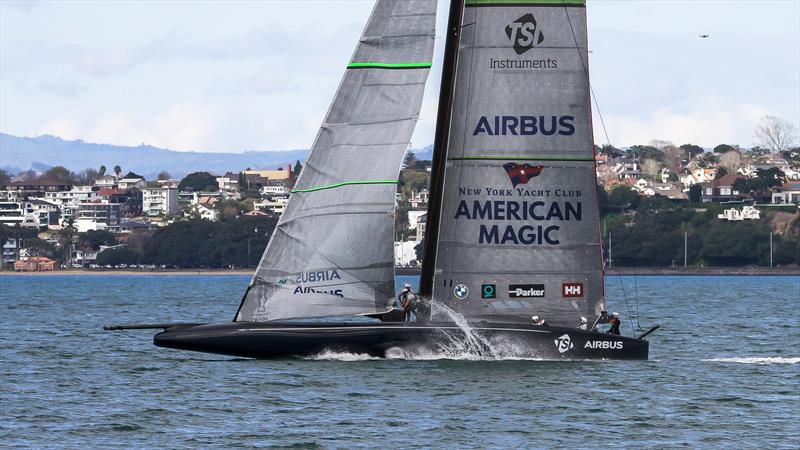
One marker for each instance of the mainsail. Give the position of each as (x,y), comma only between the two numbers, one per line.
(331,253)
(517,223)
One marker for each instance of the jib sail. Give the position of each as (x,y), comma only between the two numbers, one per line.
(331,253)
(518,222)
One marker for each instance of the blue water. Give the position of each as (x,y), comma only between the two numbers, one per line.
(724,372)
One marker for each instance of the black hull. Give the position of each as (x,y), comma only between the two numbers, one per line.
(284,340)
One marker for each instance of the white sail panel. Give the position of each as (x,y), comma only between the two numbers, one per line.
(518,229)
(332,251)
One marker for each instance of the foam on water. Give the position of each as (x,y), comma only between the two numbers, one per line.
(757,360)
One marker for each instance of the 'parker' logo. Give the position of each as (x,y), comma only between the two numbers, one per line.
(524,33)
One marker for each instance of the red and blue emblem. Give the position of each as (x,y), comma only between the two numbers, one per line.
(521,173)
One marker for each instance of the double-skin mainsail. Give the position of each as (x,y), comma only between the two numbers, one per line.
(513,219)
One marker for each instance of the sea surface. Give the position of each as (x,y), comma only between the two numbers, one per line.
(724,373)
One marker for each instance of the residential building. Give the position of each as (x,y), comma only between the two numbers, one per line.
(130,200)
(47,213)
(128,183)
(20,213)
(690,177)
(36,188)
(413,216)
(168,183)
(68,201)
(97,215)
(733,214)
(404,253)
(106,181)
(275,188)
(34,264)
(275,205)
(229,182)
(787,194)
(272,174)
(419,199)
(721,190)
(10,251)
(205,212)
(421,220)
(160,201)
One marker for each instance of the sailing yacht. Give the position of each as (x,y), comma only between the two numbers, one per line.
(512,226)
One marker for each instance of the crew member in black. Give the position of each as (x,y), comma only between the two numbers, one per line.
(615,323)
(407,300)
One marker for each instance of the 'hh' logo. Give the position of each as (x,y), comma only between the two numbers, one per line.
(572,290)
(521,173)
(524,33)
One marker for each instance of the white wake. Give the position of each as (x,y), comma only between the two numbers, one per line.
(757,360)
(463,344)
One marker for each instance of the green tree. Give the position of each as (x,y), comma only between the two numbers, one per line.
(59,174)
(132,174)
(40,247)
(695,192)
(95,238)
(646,152)
(4,177)
(723,148)
(297,169)
(198,181)
(164,175)
(66,238)
(117,170)
(692,150)
(623,197)
(117,256)
(102,171)
(759,186)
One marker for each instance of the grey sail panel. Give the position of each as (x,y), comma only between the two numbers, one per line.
(519,223)
(331,253)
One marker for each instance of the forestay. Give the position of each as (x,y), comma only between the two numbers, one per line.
(332,251)
(518,229)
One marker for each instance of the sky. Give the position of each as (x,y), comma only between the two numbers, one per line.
(260,75)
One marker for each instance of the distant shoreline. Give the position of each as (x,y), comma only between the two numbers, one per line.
(612,271)
(115,272)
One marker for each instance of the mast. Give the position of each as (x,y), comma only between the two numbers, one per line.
(440,142)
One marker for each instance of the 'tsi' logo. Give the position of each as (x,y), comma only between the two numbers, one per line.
(524,33)
(563,343)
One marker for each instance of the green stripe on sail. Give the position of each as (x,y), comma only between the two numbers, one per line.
(524,2)
(346,183)
(520,158)
(380,65)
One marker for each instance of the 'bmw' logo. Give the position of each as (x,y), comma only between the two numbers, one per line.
(461,291)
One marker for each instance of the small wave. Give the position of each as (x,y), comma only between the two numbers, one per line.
(757,360)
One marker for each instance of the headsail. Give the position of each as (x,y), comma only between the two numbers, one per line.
(518,223)
(332,252)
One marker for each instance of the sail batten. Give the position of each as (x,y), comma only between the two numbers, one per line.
(332,253)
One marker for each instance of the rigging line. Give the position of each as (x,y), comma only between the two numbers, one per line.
(627,306)
(586,70)
(636,298)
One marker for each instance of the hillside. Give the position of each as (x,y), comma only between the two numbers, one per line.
(40,153)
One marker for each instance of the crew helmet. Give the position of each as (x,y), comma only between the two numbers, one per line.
(583,320)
